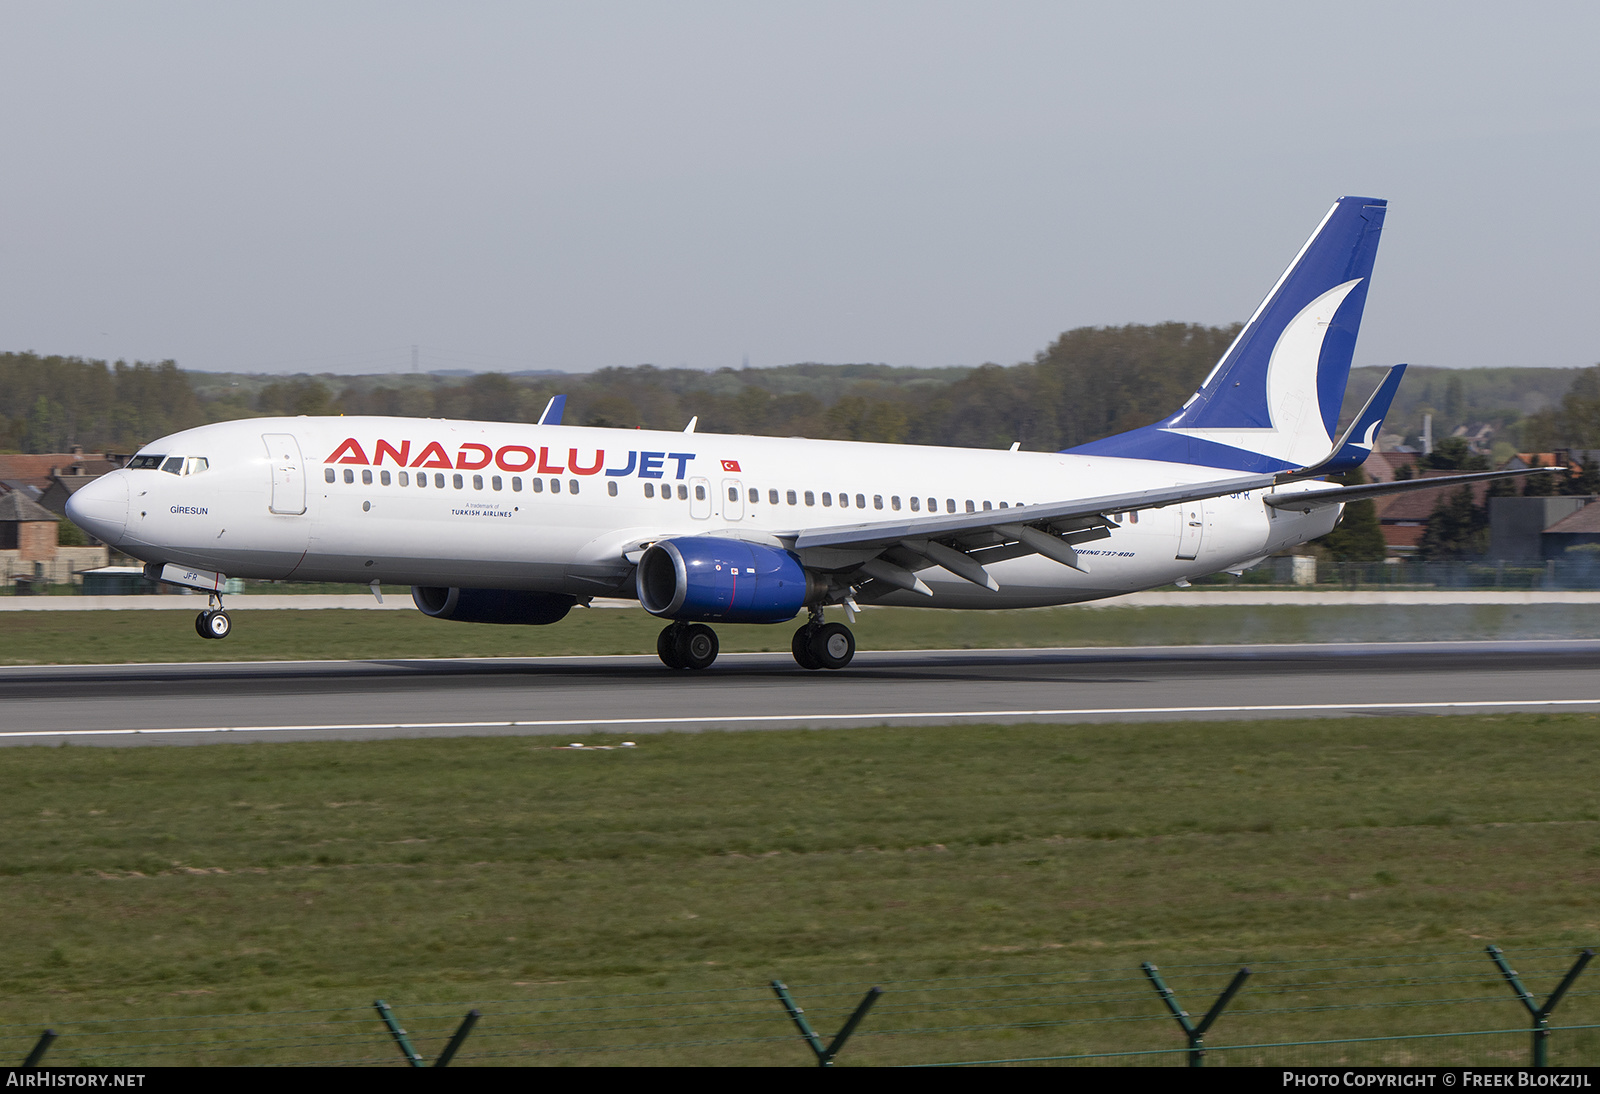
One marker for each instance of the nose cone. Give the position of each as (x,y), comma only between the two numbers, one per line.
(101,507)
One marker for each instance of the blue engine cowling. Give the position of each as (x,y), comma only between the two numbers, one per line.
(492,605)
(714,579)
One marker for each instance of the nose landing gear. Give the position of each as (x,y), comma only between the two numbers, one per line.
(214,621)
(687,646)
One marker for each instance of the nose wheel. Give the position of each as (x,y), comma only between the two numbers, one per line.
(823,646)
(687,646)
(213,624)
(214,621)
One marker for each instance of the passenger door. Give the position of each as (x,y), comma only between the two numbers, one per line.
(288,474)
(700,498)
(1191,528)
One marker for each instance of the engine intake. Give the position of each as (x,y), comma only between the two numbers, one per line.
(714,579)
(492,605)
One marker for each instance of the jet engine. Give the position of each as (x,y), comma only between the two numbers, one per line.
(714,579)
(492,605)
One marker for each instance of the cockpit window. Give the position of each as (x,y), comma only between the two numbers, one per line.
(172,465)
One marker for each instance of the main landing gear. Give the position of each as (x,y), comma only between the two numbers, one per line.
(214,621)
(819,645)
(687,646)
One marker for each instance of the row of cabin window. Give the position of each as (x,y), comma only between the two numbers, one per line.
(792,496)
(458,481)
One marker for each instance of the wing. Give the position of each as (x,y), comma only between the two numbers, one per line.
(964,543)
(892,552)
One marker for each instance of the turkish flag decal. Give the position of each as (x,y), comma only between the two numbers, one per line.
(730,465)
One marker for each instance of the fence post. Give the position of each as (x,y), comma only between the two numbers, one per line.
(1540,1015)
(39,1048)
(413,1057)
(458,1040)
(1195,1032)
(798,1015)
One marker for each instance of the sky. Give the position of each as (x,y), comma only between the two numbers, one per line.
(318,187)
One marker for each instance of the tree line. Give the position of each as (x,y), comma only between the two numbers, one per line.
(48,404)
(1089,383)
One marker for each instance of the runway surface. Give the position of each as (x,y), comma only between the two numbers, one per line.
(571,696)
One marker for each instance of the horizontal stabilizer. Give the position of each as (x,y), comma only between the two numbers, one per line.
(1307,500)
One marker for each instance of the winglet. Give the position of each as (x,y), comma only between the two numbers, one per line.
(1356,443)
(552,410)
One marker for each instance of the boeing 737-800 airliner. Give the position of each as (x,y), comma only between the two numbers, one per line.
(501,522)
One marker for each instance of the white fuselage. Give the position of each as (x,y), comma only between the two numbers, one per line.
(566,509)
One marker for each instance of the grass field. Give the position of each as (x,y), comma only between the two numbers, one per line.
(123,636)
(508,873)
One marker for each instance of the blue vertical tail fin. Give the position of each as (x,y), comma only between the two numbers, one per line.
(553,410)
(1272,402)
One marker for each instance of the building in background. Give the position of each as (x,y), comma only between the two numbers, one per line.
(29,549)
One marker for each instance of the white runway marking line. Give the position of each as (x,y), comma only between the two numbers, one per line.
(738,719)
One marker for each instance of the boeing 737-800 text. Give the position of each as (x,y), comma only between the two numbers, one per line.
(501,522)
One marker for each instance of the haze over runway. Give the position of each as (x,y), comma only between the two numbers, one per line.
(568,697)
(302,187)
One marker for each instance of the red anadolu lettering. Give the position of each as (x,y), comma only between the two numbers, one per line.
(399,455)
(514,458)
(349,452)
(464,464)
(472,456)
(433,456)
